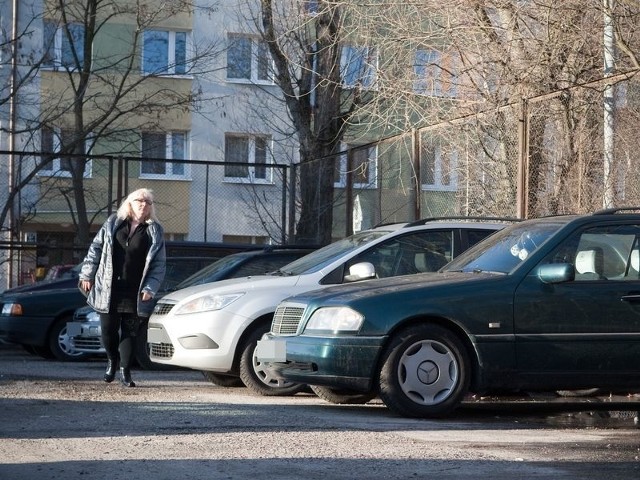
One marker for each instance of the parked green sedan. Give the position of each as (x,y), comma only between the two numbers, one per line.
(546,304)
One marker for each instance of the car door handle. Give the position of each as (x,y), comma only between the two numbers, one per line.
(631,298)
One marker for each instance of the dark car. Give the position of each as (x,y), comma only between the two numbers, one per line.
(36,315)
(245,264)
(68,281)
(547,304)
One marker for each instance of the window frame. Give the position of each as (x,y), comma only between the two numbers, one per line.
(372,158)
(54,54)
(438,184)
(171,64)
(169,155)
(348,53)
(57,169)
(434,75)
(256,48)
(251,176)
(427,70)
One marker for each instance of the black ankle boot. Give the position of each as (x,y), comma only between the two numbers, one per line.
(125,377)
(110,374)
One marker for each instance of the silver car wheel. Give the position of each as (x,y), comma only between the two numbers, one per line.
(268,379)
(428,372)
(64,342)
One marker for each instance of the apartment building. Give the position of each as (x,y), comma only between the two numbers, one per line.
(170,83)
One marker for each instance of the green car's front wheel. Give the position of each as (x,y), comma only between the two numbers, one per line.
(425,372)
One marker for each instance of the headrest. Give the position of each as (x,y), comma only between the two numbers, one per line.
(586,261)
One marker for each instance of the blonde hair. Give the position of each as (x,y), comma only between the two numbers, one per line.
(125,211)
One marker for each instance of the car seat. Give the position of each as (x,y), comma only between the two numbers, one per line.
(589,264)
(429,261)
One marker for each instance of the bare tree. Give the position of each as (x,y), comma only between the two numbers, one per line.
(305,40)
(548,52)
(103,93)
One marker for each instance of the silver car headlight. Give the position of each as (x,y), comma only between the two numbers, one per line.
(208,303)
(335,320)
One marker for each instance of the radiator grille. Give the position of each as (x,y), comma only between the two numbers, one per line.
(161,350)
(286,320)
(162,308)
(86,343)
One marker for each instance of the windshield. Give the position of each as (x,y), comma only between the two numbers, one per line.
(320,258)
(211,273)
(505,250)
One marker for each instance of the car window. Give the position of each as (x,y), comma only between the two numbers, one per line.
(505,250)
(318,259)
(476,236)
(601,253)
(261,265)
(417,252)
(178,270)
(212,272)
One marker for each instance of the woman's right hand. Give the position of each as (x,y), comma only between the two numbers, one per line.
(86,285)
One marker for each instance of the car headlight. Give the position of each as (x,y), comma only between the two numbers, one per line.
(208,303)
(334,320)
(12,309)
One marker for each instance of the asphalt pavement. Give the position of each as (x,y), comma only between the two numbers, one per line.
(60,421)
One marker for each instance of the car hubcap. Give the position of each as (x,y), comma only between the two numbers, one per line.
(428,372)
(267,379)
(64,341)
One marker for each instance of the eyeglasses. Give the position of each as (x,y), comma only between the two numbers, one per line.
(143,200)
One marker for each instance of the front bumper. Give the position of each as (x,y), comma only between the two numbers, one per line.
(85,337)
(337,362)
(200,341)
(25,330)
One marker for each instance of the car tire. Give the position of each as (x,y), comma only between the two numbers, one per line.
(222,380)
(29,349)
(425,372)
(255,377)
(60,343)
(342,396)
(43,351)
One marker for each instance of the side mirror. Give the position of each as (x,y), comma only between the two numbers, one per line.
(556,273)
(360,271)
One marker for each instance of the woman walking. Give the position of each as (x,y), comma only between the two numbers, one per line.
(122,272)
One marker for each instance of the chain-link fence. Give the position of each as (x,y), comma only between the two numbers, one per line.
(59,203)
(553,154)
(467,167)
(580,158)
(545,155)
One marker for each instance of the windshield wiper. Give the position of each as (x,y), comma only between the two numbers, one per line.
(493,272)
(281,273)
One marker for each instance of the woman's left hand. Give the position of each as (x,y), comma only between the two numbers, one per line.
(146,296)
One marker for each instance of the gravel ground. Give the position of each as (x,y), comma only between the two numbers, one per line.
(60,421)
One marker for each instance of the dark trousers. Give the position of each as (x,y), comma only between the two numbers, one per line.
(119,332)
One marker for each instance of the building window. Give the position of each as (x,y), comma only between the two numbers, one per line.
(160,149)
(63,45)
(247,156)
(434,74)
(164,52)
(364,167)
(438,167)
(358,66)
(248,59)
(311,7)
(54,141)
